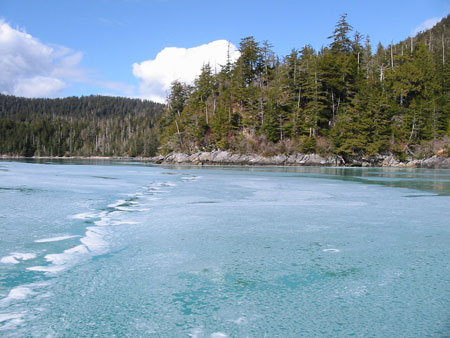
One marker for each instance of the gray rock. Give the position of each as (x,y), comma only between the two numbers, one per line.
(220,157)
(436,162)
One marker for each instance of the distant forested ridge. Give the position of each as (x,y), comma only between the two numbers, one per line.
(85,126)
(344,99)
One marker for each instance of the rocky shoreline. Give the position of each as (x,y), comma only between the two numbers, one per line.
(226,158)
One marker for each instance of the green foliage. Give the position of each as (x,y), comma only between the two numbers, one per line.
(307,144)
(354,102)
(342,99)
(86,126)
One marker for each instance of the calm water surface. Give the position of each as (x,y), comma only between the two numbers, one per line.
(115,249)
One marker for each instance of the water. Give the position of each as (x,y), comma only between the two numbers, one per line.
(130,250)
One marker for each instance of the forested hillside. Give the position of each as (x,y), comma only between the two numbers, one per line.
(86,126)
(344,99)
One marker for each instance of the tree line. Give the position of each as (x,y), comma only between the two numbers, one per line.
(342,99)
(73,126)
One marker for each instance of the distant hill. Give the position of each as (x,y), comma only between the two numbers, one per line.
(436,39)
(83,126)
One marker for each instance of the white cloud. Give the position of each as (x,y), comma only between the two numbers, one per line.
(38,86)
(427,24)
(183,64)
(32,69)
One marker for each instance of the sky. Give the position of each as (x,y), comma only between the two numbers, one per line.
(136,48)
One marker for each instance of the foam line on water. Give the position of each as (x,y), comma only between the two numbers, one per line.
(66,256)
(219,335)
(55,239)
(331,250)
(103,222)
(62,261)
(118,203)
(124,222)
(93,242)
(167,184)
(17,293)
(8,316)
(84,216)
(9,321)
(16,257)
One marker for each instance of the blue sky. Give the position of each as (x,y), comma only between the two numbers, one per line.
(90,47)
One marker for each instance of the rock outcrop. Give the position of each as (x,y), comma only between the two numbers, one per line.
(220,157)
(227,158)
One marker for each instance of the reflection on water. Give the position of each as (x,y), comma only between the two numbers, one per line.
(436,181)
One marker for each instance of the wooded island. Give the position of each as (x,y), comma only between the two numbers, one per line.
(343,99)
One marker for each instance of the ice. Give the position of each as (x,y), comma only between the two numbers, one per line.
(55,239)
(84,215)
(124,222)
(94,241)
(15,257)
(8,316)
(118,203)
(17,293)
(331,250)
(104,221)
(196,333)
(219,335)
(62,260)
(9,321)
(9,260)
(284,253)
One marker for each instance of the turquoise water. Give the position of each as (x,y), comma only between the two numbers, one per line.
(131,250)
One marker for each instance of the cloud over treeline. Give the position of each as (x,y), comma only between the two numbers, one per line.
(182,64)
(31,68)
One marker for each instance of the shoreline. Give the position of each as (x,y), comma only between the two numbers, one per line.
(224,158)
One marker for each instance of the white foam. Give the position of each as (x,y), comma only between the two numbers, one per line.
(55,239)
(168,184)
(331,250)
(125,209)
(189,178)
(9,260)
(18,293)
(118,203)
(49,268)
(155,189)
(10,320)
(103,222)
(124,222)
(196,333)
(132,209)
(16,256)
(219,335)
(8,316)
(84,215)
(63,260)
(94,241)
